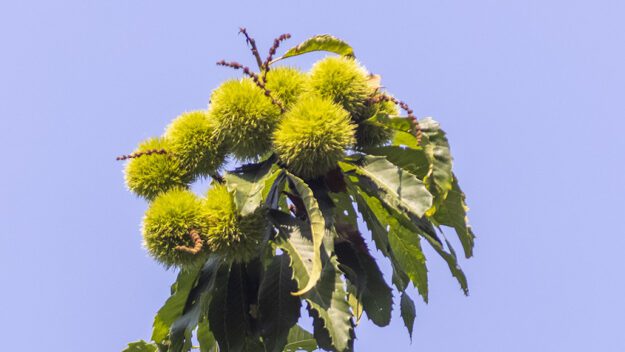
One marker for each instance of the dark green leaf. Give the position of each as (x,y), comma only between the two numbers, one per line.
(372,291)
(328,305)
(140,346)
(401,237)
(205,337)
(273,195)
(174,306)
(182,328)
(325,202)
(451,260)
(229,310)
(296,240)
(408,312)
(248,183)
(408,253)
(374,215)
(317,227)
(279,310)
(400,187)
(300,340)
(344,211)
(436,147)
(417,226)
(412,160)
(453,212)
(323,42)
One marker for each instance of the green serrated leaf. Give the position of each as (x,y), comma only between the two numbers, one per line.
(279,310)
(228,312)
(400,187)
(174,306)
(400,237)
(274,191)
(181,330)
(408,312)
(205,337)
(354,302)
(344,211)
(317,227)
(371,291)
(408,253)
(248,184)
(373,214)
(412,160)
(296,240)
(367,207)
(323,42)
(141,346)
(451,260)
(453,213)
(449,257)
(436,147)
(329,307)
(300,340)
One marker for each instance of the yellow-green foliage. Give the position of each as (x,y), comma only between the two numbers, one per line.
(192,140)
(313,136)
(149,175)
(344,81)
(371,135)
(245,118)
(235,236)
(286,84)
(166,225)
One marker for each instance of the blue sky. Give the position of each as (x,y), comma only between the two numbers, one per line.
(531,94)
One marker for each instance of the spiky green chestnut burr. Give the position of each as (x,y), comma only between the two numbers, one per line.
(245,118)
(174,231)
(342,80)
(193,140)
(372,135)
(237,237)
(150,175)
(313,135)
(286,84)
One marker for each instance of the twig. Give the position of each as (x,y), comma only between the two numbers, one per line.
(252,43)
(197,243)
(140,154)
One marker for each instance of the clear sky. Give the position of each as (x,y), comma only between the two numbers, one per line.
(531,93)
